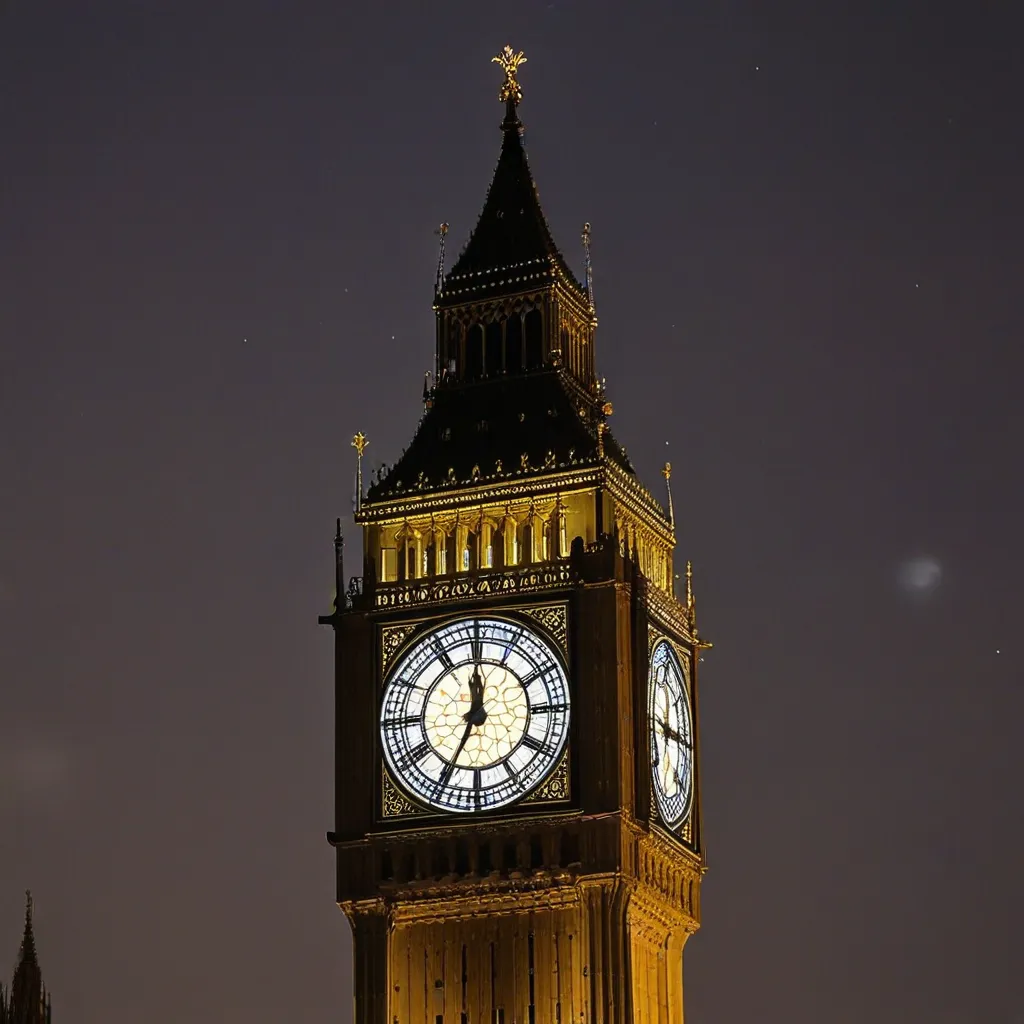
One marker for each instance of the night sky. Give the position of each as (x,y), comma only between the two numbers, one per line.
(217,255)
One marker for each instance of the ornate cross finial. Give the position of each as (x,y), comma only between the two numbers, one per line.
(510,62)
(359,442)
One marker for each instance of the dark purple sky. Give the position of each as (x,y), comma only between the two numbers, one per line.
(216,264)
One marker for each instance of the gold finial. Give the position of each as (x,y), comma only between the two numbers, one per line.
(510,62)
(359,442)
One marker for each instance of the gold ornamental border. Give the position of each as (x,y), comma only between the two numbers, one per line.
(553,619)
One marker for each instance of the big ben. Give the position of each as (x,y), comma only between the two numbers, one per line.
(518,813)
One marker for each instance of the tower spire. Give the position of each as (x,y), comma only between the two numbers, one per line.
(28,939)
(510,249)
(27,1002)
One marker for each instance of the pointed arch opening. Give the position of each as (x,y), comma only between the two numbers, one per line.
(492,349)
(514,358)
(533,331)
(474,365)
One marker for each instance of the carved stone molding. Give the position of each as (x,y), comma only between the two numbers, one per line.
(435,591)
(393,803)
(391,638)
(555,619)
(555,788)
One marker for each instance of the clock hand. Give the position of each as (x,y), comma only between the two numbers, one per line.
(462,742)
(477,714)
(669,732)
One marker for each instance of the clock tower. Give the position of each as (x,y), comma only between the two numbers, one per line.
(518,817)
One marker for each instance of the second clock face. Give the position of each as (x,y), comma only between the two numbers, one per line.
(475,714)
(671,734)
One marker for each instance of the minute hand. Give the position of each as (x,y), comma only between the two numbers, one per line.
(669,731)
(462,742)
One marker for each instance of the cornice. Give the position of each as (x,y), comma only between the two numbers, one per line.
(639,501)
(492,489)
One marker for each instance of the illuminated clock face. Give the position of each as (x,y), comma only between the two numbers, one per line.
(671,734)
(475,714)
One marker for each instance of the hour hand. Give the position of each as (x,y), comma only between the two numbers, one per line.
(669,732)
(476,715)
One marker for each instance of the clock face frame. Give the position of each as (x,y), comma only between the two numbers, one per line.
(475,714)
(671,728)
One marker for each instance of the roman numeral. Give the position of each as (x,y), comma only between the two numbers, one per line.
(546,709)
(539,745)
(476,645)
(442,655)
(513,776)
(414,755)
(402,723)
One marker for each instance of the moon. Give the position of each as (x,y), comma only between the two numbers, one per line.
(921,575)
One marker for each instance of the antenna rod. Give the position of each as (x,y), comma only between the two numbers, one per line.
(442,231)
(339,569)
(590,269)
(667,474)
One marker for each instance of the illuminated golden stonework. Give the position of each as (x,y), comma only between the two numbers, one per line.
(393,804)
(554,618)
(510,61)
(555,787)
(391,638)
(515,499)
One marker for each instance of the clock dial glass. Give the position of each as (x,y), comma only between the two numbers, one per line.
(475,714)
(671,734)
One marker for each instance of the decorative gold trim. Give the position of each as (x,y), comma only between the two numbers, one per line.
(669,614)
(555,788)
(393,804)
(391,638)
(555,619)
(653,635)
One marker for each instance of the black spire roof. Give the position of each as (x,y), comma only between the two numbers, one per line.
(500,428)
(511,248)
(26,1001)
